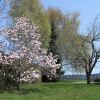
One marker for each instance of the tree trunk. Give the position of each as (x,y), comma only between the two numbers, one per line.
(88,75)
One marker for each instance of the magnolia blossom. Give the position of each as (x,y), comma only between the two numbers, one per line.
(8,59)
(26,39)
(30,75)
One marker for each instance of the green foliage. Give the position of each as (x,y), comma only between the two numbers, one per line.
(68,31)
(63,27)
(35,12)
(63,30)
(69,40)
(55,19)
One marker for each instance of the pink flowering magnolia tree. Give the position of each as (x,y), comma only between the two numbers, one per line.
(27,48)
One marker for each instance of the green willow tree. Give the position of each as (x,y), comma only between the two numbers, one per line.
(34,11)
(68,28)
(62,26)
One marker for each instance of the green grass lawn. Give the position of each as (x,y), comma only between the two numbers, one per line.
(54,91)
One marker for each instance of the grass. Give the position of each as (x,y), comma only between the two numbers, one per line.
(53,91)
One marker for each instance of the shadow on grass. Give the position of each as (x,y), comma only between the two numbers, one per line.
(25,91)
(22,91)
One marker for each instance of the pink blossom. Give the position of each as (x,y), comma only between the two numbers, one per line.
(26,38)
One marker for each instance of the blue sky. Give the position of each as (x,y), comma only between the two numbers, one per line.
(88,10)
(4,17)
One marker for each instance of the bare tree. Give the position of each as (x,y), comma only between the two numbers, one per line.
(81,50)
